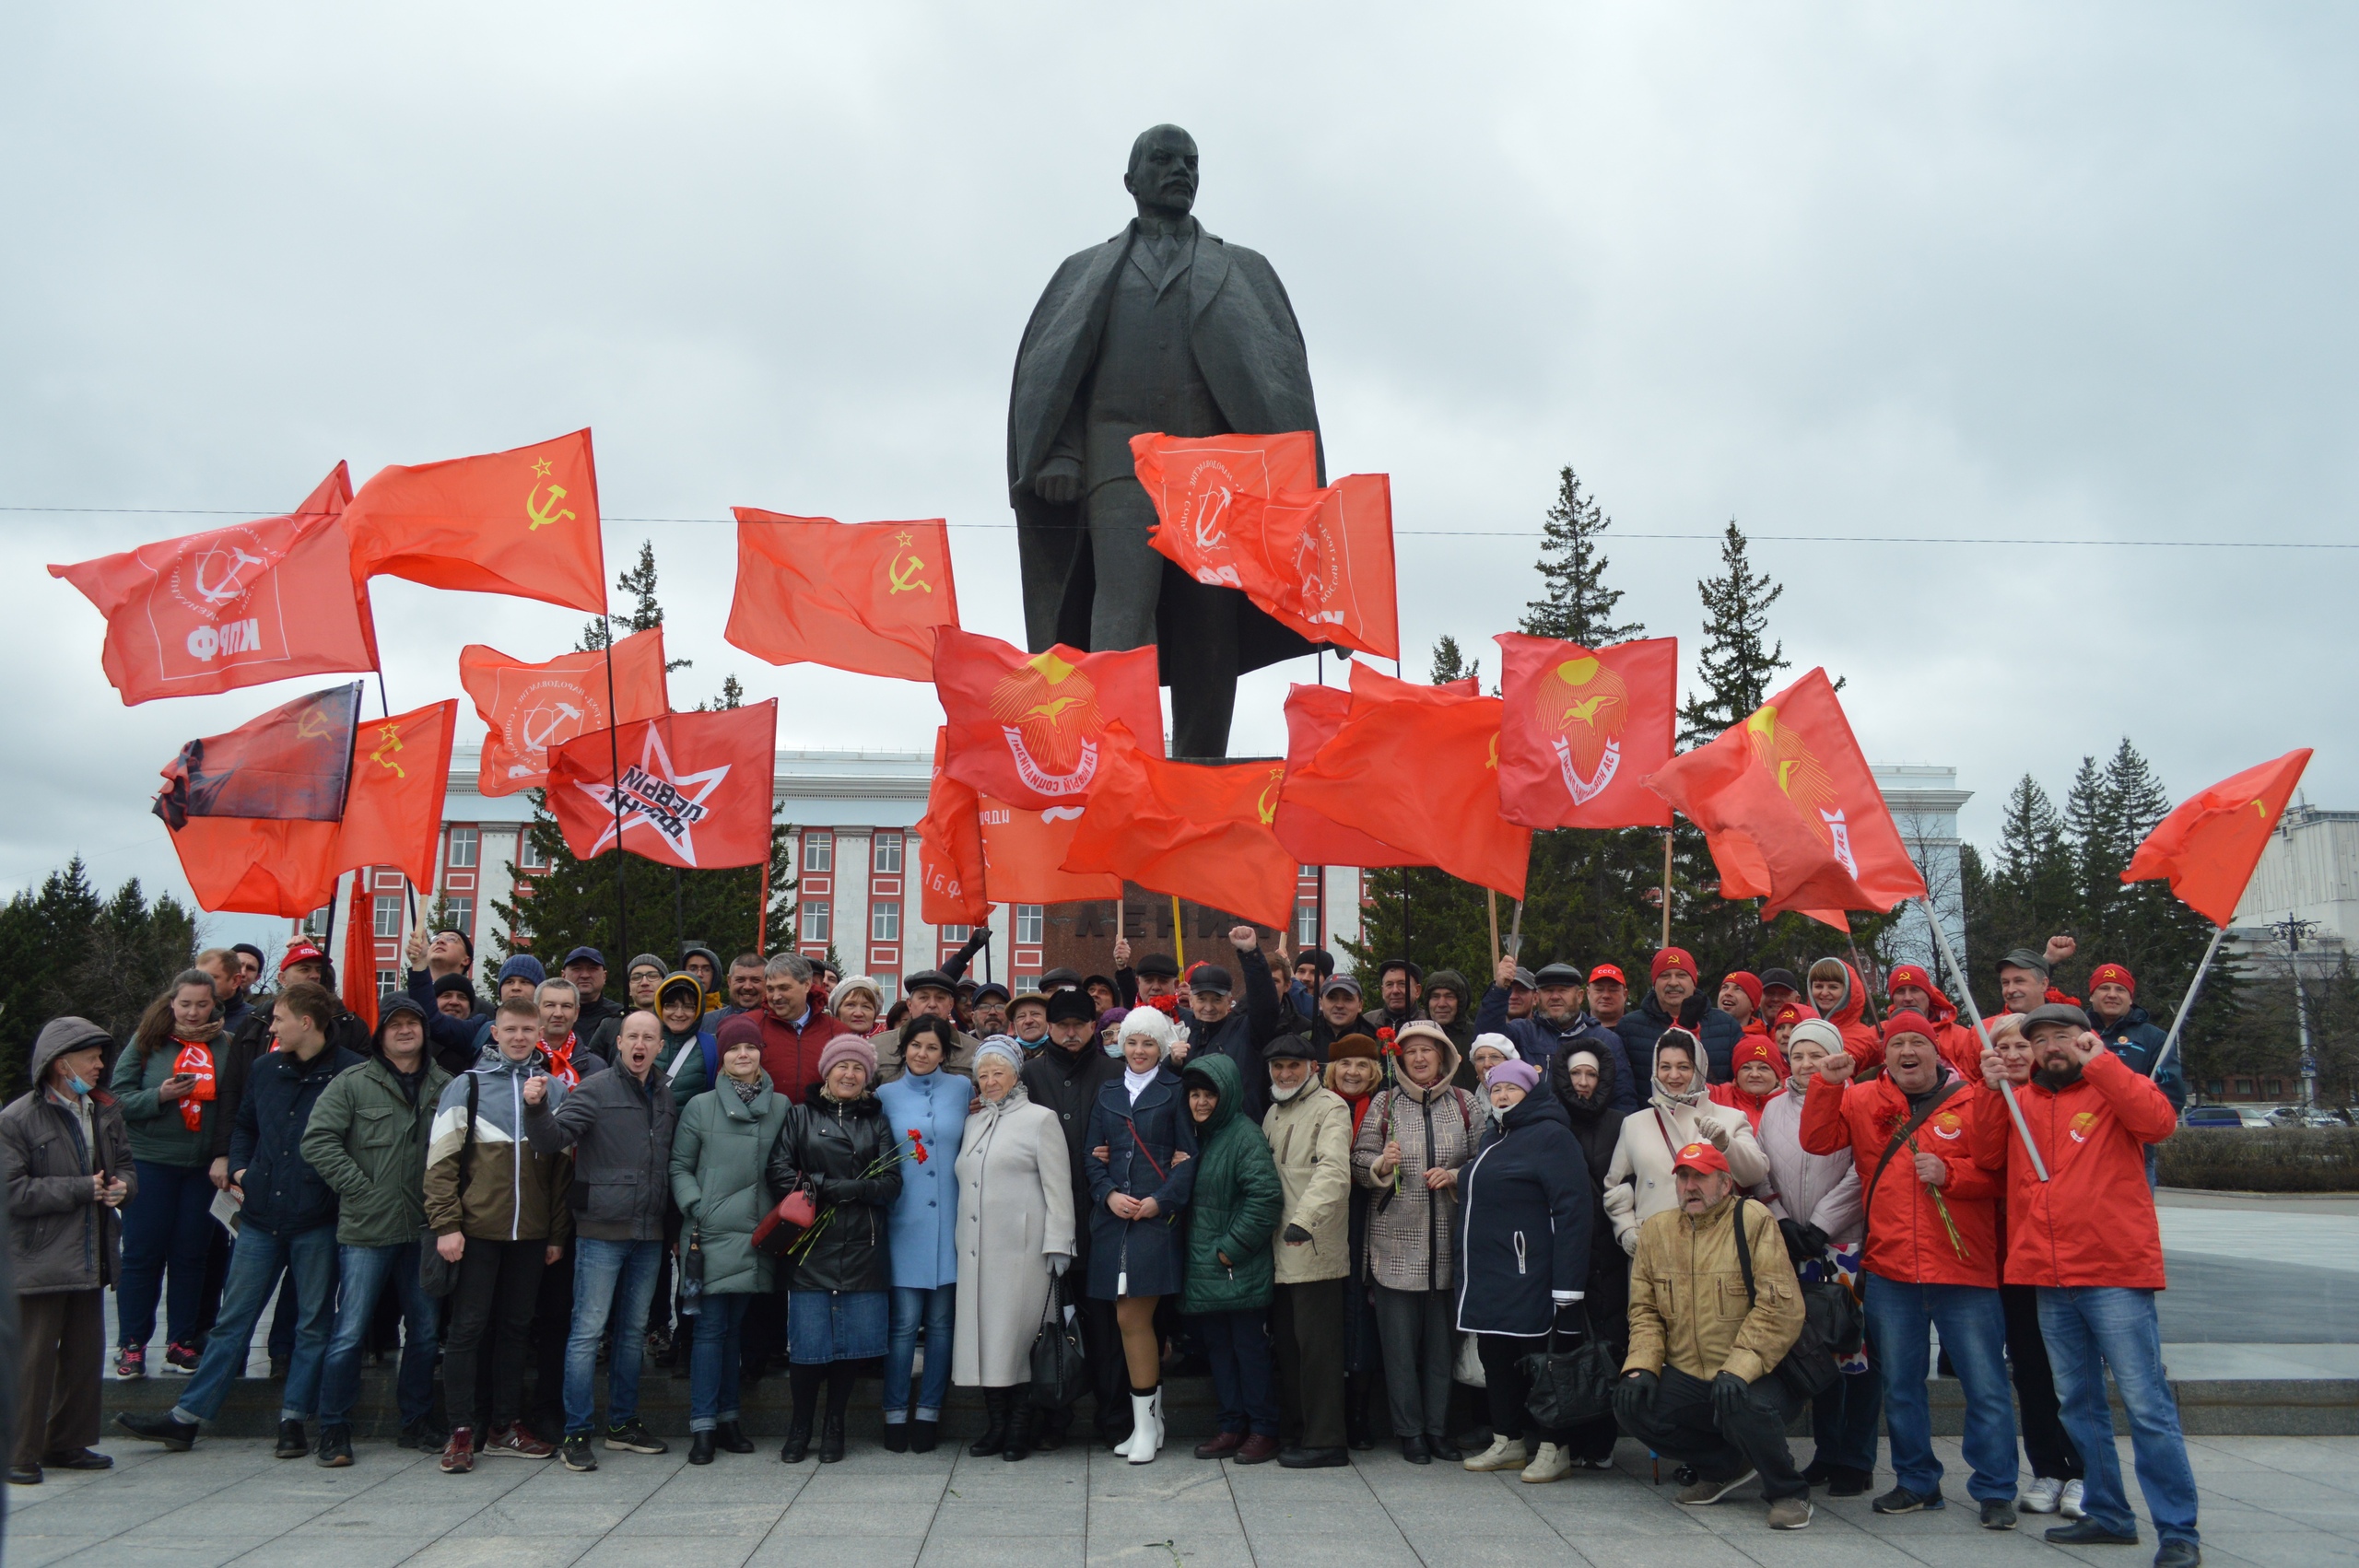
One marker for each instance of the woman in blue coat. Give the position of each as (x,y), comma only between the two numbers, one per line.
(1523,1216)
(926,1107)
(1142,1170)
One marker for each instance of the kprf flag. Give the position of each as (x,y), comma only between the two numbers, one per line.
(522,521)
(1031,728)
(1790,811)
(1193,830)
(1210,493)
(235,606)
(1332,553)
(950,850)
(2210,844)
(1313,715)
(862,596)
(530,707)
(696,790)
(1582,728)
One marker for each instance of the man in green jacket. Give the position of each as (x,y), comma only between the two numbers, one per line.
(367,1140)
(1232,1217)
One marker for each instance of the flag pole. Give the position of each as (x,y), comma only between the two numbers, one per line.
(1666,887)
(1515,934)
(615,798)
(1491,898)
(2194,987)
(1982,1030)
(1178,935)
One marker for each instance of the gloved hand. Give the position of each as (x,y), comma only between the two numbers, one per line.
(1691,1011)
(1729,1392)
(1804,1241)
(1633,1395)
(1295,1236)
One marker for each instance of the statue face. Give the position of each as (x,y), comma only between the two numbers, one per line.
(1163,171)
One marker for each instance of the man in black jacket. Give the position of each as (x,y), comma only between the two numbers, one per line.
(1215,1021)
(1065,1077)
(1557,1023)
(620,1126)
(586,968)
(287,1222)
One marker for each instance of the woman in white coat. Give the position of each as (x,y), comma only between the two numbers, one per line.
(1016,1217)
(1639,1184)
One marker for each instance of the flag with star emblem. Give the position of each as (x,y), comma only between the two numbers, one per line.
(696,791)
(862,596)
(1030,728)
(530,707)
(1332,553)
(1210,494)
(2208,846)
(1582,728)
(1193,830)
(522,521)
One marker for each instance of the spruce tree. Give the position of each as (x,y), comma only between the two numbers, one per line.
(66,951)
(1451,663)
(646,613)
(1737,663)
(1575,604)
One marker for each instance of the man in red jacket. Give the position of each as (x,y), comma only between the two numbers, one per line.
(794,1031)
(1911,990)
(2088,1238)
(1932,1258)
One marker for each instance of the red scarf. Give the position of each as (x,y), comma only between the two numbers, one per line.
(197,1060)
(561,1061)
(1359,1105)
(1745,1100)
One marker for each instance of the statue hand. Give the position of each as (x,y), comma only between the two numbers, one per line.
(1059,482)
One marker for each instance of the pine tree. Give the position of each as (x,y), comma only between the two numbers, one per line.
(65,952)
(732,696)
(1737,662)
(1576,605)
(647,612)
(1450,663)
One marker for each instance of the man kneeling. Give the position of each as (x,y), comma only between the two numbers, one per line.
(1714,1406)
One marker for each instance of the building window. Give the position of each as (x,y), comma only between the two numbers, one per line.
(818,921)
(1029,923)
(462,848)
(1027,983)
(2276,1089)
(316,926)
(528,854)
(388,980)
(1306,925)
(888,984)
(887,857)
(2244,1087)
(818,851)
(885,921)
(463,918)
(389,914)
(1309,870)
(956,936)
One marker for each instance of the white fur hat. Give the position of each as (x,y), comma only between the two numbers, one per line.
(1149,1022)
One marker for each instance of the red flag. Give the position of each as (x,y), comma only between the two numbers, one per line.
(522,521)
(1791,811)
(697,790)
(950,850)
(863,596)
(1024,852)
(1030,729)
(1210,494)
(1198,831)
(530,707)
(2210,844)
(356,970)
(1313,715)
(234,606)
(1332,553)
(401,771)
(1582,730)
(1419,772)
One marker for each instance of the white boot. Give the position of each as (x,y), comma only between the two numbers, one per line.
(1146,1427)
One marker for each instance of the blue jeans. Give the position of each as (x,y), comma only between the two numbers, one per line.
(309,1258)
(611,1279)
(2089,1328)
(1973,1331)
(166,1226)
(1237,1346)
(363,1274)
(712,1364)
(910,1307)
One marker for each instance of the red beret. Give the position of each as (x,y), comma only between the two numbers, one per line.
(1746,981)
(2112,975)
(1672,958)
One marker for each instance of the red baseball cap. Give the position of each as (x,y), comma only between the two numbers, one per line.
(1700,1157)
(1673,958)
(299,952)
(2113,974)
(1607,972)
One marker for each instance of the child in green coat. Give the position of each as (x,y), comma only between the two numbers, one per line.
(1231,1220)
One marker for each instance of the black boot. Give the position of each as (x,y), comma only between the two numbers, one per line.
(922,1434)
(832,1439)
(798,1440)
(730,1436)
(995,1437)
(897,1437)
(1358,1387)
(700,1444)
(1022,1420)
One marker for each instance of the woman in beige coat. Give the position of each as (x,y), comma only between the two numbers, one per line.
(1639,1183)
(1015,1237)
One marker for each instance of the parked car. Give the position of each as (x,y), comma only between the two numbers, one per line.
(2304,1116)
(2224,1116)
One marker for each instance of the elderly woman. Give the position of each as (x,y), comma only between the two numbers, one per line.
(1356,1073)
(1525,1210)
(163,1087)
(1583,1081)
(1232,1219)
(1142,1169)
(1639,1186)
(837,1145)
(1487,1052)
(719,1149)
(927,1105)
(1758,1078)
(1405,1158)
(1817,1197)
(1016,1238)
(856,1003)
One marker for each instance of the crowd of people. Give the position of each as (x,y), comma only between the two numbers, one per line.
(1761,1199)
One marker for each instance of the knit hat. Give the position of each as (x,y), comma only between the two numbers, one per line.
(846,1047)
(851,983)
(1908,1023)
(455,981)
(1500,1043)
(2113,974)
(1518,1072)
(1574,1059)
(647,961)
(523,966)
(740,1028)
(1746,981)
(1672,958)
(1829,1039)
(1906,974)
(1795,1013)
(1759,1048)
(1005,1047)
(1150,1024)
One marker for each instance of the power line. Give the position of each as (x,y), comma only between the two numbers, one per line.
(1528,534)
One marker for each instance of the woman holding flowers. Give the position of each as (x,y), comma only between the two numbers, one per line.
(838,1146)
(927,1106)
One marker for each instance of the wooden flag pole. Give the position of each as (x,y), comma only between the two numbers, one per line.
(1982,1030)
(2194,987)
(1178,936)
(1491,897)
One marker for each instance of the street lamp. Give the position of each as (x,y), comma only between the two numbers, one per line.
(2291,931)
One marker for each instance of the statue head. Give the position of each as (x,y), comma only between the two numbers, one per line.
(1162,175)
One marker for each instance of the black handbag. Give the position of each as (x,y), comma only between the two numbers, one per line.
(1570,1386)
(437,1275)
(1831,1327)
(1059,1374)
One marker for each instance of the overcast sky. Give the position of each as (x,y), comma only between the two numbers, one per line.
(1981,273)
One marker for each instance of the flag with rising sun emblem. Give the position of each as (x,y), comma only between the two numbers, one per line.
(696,790)
(1029,729)
(1582,728)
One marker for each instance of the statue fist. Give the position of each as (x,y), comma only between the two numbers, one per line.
(1059,481)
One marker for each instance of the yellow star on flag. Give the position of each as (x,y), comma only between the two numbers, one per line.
(541,467)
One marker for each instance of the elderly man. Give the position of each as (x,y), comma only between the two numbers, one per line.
(1310,1129)
(1674,1000)
(1931,1257)
(2088,1239)
(561,1052)
(989,1011)
(1698,1383)
(1557,1023)
(1235,1032)
(1066,1078)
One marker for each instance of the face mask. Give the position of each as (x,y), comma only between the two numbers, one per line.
(78,1085)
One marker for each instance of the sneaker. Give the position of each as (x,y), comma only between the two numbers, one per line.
(576,1450)
(2042,1496)
(335,1446)
(459,1452)
(131,1362)
(631,1437)
(2068,1504)
(176,1435)
(1998,1514)
(1503,1454)
(2179,1555)
(1900,1500)
(1702,1493)
(1791,1514)
(1552,1463)
(182,1359)
(516,1441)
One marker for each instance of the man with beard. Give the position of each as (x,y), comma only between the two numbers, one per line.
(1557,1023)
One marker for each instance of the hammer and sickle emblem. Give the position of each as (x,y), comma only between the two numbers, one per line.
(228,588)
(2263,807)
(312,726)
(1493,760)
(389,739)
(906,579)
(1268,805)
(544,513)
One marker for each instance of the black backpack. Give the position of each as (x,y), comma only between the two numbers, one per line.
(1833,1326)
